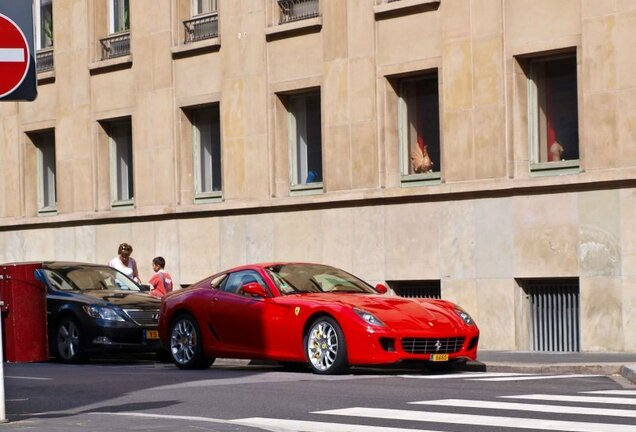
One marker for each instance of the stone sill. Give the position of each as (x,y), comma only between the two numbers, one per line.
(400,6)
(288,29)
(193,48)
(101,66)
(501,187)
(46,77)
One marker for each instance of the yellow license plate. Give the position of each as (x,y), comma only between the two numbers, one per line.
(439,357)
(152,334)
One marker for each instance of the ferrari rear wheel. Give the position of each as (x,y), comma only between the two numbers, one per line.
(325,347)
(186,347)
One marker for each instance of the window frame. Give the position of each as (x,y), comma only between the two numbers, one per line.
(214,7)
(201,195)
(112,22)
(295,185)
(407,178)
(38,6)
(115,157)
(46,189)
(536,166)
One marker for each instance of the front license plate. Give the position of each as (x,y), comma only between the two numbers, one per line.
(152,334)
(439,357)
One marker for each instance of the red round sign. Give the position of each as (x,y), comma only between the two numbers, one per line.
(14,56)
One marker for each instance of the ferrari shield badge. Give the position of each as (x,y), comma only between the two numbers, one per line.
(297,310)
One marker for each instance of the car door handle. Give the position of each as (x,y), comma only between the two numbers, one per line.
(215,299)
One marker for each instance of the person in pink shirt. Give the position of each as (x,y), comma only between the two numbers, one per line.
(161,281)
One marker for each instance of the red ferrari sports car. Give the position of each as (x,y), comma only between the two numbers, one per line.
(310,313)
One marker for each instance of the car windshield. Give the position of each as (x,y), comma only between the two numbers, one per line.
(86,278)
(315,278)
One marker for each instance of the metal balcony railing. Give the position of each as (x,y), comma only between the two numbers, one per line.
(115,45)
(296,10)
(44,60)
(201,27)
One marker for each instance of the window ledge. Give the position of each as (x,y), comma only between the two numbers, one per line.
(412,180)
(193,48)
(123,205)
(555,168)
(46,77)
(306,189)
(403,6)
(47,211)
(101,66)
(210,197)
(302,26)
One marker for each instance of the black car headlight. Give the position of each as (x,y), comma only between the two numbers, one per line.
(103,312)
(464,316)
(368,317)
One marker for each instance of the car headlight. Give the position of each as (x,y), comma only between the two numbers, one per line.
(369,318)
(102,312)
(464,316)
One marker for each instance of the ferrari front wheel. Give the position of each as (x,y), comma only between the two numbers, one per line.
(186,347)
(325,347)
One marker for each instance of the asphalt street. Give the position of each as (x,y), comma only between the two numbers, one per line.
(124,395)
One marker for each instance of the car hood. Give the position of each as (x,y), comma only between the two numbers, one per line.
(122,299)
(399,313)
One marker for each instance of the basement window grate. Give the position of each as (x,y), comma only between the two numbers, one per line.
(417,288)
(554,314)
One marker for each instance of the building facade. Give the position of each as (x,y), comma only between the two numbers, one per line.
(481,151)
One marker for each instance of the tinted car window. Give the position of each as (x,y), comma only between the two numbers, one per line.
(236,280)
(303,278)
(84,278)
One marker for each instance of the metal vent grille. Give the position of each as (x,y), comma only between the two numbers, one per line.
(417,288)
(146,317)
(554,315)
(432,346)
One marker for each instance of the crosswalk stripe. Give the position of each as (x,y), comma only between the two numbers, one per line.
(283,425)
(464,375)
(613,392)
(529,407)
(533,377)
(584,399)
(479,420)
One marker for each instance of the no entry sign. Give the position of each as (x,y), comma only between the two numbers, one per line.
(14,56)
(17,51)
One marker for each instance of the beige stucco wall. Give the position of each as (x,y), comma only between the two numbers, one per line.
(488,225)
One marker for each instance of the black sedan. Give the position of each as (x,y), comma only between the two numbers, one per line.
(95,308)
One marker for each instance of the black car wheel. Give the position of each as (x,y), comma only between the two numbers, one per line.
(186,347)
(68,347)
(325,347)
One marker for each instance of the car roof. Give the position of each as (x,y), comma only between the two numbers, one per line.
(54,264)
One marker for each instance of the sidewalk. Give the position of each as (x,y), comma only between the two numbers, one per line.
(623,364)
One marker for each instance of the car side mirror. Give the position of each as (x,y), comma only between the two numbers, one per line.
(255,290)
(381,288)
(144,287)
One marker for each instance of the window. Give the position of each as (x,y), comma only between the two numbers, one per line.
(44,20)
(553,111)
(305,140)
(235,281)
(206,133)
(417,288)
(45,157)
(119,16)
(200,7)
(296,10)
(419,131)
(121,162)
(204,23)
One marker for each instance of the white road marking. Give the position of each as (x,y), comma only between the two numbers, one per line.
(282,425)
(270,424)
(613,392)
(534,377)
(479,420)
(584,399)
(11,54)
(29,378)
(464,375)
(529,407)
